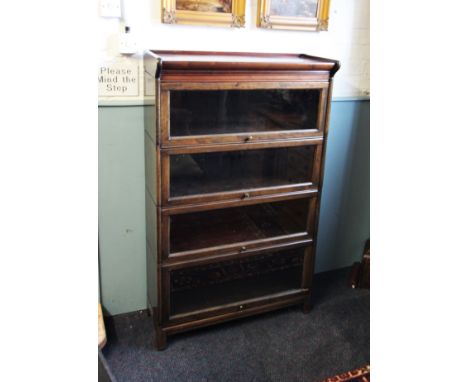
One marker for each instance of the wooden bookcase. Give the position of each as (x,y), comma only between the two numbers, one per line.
(234,147)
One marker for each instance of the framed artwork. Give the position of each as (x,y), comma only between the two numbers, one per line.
(204,12)
(310,15)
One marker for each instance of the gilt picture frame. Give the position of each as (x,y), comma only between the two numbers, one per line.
(228,13)
(307,15)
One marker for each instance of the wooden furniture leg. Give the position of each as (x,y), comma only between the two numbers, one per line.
(161,339)
(307,306)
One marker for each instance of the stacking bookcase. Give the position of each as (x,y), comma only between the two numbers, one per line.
(234,148)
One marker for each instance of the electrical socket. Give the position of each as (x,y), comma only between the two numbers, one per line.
(127,44)
(110,8)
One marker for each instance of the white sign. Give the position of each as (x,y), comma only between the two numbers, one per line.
(118,79)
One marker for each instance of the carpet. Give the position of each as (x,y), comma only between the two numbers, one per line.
(280,346)
(359,375)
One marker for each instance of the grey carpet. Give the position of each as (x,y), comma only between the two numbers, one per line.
(285,345)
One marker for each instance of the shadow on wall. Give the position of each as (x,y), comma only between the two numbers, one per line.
(344,211)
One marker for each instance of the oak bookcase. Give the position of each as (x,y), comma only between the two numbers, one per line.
(234,147)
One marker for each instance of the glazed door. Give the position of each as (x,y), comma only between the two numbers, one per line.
(197,114)
(232,228)
(235,285)
(239,172)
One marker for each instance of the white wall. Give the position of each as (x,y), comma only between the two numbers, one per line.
(346,40)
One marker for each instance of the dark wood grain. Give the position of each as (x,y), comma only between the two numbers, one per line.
(360,276)
(248,123)
(213,144)
(218,247)
(236,251)
(218,61)
(241,194)
(237,175)
(216,84)
(237,281)
(223,314)
(247,239)
(211,228)
(212,205)
(239,77)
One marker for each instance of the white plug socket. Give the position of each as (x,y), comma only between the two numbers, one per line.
(127,44)
(110,8)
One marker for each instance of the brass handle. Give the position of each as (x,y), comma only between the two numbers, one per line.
(241,307)
(245,195)
(243,248)
(249,138)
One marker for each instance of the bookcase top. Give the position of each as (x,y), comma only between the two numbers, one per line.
(191,60)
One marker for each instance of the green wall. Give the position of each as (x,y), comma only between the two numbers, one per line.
(344,220)
(122,256)
(344,209)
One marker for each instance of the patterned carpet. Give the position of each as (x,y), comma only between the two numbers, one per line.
(358,375)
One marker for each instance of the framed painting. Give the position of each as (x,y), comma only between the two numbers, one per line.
(204,12)
(310,15)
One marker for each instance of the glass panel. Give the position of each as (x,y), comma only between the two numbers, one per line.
(192,174)
(235,280)
(303,8)
(218,6)
(202,112)
(233,225)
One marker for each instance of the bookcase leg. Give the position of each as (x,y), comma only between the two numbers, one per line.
(161,339)
(306,306)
